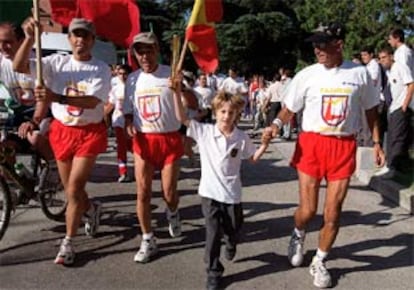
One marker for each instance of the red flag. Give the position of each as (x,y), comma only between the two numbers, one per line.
(201,33)
(115,20)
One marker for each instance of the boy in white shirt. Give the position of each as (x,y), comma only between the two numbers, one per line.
(222,146)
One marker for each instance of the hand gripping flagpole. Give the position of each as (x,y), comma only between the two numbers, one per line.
(39,77)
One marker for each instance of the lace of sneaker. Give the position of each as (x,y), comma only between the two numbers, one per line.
(147,249)
(66,254)
(295,250)
(92,220)
(321,276)
(174,224)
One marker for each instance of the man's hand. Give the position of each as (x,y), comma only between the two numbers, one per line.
(273,129)
(28,27)
(26,128)
(129,127)
(379,156)
(44,94)
(266,136)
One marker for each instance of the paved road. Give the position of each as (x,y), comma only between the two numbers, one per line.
(374,249)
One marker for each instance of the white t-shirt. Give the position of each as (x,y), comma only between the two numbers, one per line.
(20,85)
(374,71)
(403,54)
(331,98)
(206,96)
(399,77)
(274,92)
(149,98)
(117,97)
(66,76)
(221,159)
(232,86)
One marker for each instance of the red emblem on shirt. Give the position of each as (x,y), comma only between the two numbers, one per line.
(334,109)
(149,107)
(73,110)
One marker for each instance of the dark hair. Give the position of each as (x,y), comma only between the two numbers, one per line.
(18,31)
(386,49)
(126,68)
(398,33)
(368,49)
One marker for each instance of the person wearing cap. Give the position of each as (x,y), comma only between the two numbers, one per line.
(157,144)
(32,127)
(77,87)
(331,94)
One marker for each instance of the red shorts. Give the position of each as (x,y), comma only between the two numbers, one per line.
(321,156)
(159,149)
(77,141)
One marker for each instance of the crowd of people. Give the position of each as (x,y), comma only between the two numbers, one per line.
(333,104)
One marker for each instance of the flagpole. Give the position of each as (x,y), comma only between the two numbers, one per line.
(183,50)
(39,77)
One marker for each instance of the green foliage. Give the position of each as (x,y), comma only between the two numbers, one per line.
(261,36)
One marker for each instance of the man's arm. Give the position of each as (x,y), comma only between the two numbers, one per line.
(373,123)
(282,118)
(408,96)
(21,59)
(44,94)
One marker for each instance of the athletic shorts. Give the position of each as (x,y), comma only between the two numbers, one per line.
(159,149)
(77,141)
(329,157)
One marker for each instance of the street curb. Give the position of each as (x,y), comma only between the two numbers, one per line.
(391,190)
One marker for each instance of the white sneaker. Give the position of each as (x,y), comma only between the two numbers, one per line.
(295,250)
(92,221)
(174,223)
(382,170)
(66,254)
(147,249)
(321,276)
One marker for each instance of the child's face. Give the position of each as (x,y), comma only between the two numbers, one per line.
(226,114)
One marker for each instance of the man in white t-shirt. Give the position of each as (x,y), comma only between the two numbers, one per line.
(400,131)
(331,94)
(157,144)
(114,108)
(32,127)
(77,87)
(206,94)
(374,70)
(402,54)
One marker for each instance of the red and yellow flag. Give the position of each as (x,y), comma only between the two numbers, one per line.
(201,33)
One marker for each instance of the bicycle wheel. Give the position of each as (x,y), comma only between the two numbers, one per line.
(5,206)
(53,203)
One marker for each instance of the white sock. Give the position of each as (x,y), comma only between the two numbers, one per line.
(321,255)
(299,233)
(68,239)
(147,236)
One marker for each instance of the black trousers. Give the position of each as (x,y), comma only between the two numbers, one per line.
(274,109)
(400,137)
(222,220)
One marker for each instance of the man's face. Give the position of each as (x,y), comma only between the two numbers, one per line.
(393,41)
(327,53)
(366,57)
(8,42)
(203,81)
(385,60)
(82,42)
(147,55)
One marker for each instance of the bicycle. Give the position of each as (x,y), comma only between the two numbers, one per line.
(16,189)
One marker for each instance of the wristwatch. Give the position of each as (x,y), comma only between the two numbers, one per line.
(63,99)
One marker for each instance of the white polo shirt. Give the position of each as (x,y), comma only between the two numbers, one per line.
(221,159)
(398,77)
